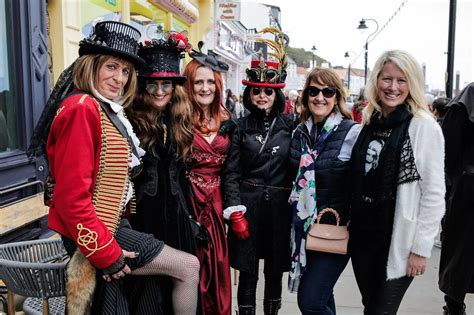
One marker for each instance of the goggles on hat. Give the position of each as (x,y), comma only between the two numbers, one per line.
(153,87)
(327,92)
(257,90)
(268,75)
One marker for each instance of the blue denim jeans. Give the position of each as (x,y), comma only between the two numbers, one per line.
(315,292)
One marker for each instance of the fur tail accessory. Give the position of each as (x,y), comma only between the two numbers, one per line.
(81,282)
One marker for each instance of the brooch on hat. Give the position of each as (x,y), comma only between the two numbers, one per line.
(269,73)
(210,60)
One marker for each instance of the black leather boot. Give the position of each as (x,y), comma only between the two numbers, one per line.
(450,311)
(453,307)
(271,306)
(246,293)
(246,310)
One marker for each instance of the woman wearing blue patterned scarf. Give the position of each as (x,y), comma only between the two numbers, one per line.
(320,150)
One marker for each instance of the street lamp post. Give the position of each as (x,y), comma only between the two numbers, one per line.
(347,56)
(313,49)
(451,40)
(362,26)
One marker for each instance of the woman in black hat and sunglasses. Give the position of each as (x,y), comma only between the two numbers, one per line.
(93,154)
(257,183)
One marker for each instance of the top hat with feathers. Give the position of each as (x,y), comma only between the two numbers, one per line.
(267,73)
(162,57)
(113,38)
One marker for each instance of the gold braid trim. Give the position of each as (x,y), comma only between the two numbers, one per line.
(133,202)
(85,239)
(83,97)
(113,177)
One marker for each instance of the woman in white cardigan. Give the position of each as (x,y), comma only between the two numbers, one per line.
(398,193)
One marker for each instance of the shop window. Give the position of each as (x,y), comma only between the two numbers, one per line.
(24,89)
(8,136)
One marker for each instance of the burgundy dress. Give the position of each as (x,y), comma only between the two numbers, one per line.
(206,162)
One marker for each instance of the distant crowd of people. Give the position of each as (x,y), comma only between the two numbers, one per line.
(159,183)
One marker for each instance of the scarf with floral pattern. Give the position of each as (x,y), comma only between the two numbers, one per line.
(303,198)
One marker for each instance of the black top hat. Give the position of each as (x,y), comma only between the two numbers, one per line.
(162,57)
(113,38)
(210,60)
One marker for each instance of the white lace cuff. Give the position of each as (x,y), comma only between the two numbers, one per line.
(229,210)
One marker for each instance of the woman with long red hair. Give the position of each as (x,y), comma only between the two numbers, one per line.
(209,151)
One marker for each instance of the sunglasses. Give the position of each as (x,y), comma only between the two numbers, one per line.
(257,91)
(327,92)
(153,87)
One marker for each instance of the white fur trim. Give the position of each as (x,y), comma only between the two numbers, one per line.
(229,210)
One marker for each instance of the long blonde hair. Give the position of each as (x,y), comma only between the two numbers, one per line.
(146,120)
(411,69)
(86,71)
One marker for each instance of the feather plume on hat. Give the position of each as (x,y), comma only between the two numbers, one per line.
(279,44)
(270,73)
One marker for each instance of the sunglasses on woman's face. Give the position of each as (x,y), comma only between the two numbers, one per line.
(153,87)
(327,92)
(257,91)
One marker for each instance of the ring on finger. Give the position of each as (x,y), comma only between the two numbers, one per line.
(418,273)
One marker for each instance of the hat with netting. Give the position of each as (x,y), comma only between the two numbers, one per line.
(113,38)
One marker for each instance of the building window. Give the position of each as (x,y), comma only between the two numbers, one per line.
(8,136)
(24,89)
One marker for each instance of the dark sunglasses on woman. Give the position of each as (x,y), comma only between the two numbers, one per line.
(327,92)
(258,90)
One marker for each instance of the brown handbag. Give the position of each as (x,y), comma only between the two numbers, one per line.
(327,238)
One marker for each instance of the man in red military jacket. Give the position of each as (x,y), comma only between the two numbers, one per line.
(75,149)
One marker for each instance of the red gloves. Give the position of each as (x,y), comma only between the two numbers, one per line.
(239,225)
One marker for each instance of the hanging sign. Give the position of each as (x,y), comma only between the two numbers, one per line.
(228,10)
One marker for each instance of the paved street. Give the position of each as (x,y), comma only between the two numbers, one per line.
(422,298)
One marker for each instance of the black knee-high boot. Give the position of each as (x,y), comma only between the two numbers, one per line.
(246,310)
(246,293)
(272,294)
(271,306)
